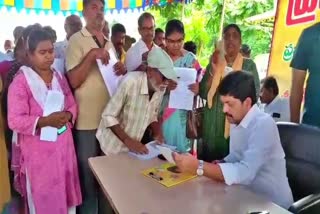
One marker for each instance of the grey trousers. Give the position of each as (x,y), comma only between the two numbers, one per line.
(93,199)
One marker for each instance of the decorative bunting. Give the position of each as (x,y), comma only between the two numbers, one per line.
(8,2)
(75,6)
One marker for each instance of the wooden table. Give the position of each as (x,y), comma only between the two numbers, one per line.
(129,192)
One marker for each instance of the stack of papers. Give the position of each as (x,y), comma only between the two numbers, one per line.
(154,151)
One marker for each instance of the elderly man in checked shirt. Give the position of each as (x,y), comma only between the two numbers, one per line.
(135,106)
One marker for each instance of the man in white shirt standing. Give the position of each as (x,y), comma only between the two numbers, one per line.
(136,58)
(4,57)
(72,25)
(256,156)
(278,108)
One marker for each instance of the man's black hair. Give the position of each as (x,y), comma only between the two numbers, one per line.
(240,85)
(270,83)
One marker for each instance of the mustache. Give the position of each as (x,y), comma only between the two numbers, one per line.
(99,16)
(226,114)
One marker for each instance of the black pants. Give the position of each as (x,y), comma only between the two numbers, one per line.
(93,199)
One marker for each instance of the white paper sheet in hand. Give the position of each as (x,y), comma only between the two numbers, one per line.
(182,97)
(153,152)
(110,78)
(166,152)
(54,103)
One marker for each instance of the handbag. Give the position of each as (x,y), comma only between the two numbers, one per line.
(194,119)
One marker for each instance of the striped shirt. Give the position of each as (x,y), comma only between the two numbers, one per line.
(130,107)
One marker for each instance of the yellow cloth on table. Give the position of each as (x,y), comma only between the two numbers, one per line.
(217,76)
(5,194)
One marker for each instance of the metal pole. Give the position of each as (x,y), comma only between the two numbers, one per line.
(224,3)
(182,10)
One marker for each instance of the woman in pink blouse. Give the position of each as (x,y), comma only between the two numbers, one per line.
(46,171)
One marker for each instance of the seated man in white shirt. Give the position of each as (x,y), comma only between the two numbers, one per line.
(256,156)
(136,58)
(277,107)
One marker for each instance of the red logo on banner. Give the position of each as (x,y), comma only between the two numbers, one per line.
(301,11)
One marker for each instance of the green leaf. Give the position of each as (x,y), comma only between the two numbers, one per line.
(202,22)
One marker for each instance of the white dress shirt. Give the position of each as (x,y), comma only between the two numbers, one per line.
(278,109)
(5,57)
(60,49)
(257,159)
(134,55)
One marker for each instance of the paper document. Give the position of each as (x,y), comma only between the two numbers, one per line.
(54,103)
(166,152)
(173,148)
(153,151)
(182,97)
(111,80)
(58,65)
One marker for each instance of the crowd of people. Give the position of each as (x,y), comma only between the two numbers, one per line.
(240,143)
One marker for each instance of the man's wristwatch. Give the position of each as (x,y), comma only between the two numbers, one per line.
(200,168)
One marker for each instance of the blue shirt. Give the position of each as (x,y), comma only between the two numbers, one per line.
(4,57)
(256,158)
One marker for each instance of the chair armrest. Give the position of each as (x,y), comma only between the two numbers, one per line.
(305,203)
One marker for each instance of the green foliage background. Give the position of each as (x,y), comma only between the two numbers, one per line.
(202,20)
